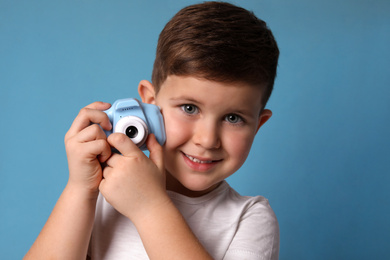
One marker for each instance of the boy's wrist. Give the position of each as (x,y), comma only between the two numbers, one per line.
(81,192)
(153,210)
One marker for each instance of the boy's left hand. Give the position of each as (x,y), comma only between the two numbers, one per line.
(134,183)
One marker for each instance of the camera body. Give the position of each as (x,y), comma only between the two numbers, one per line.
(136,120)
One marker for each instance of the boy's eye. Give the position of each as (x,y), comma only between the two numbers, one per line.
(233,119)
(189,109)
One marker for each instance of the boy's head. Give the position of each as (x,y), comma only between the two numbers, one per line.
(214,72)
(219,42)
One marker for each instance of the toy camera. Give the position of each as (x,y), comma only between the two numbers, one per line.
(136,120)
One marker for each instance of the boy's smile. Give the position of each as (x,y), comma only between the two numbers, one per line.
(200,164)
(210,127)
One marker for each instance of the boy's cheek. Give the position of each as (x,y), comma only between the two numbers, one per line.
(175,130)
(238,145)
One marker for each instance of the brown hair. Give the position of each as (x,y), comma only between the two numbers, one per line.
(217,41)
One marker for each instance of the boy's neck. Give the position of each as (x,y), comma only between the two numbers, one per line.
(174,185)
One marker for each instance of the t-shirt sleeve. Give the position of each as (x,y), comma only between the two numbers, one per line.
(257,235)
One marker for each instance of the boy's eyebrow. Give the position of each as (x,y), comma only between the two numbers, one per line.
(185,98)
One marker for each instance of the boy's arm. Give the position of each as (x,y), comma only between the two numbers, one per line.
(135,186)
(67,232)
(166,235)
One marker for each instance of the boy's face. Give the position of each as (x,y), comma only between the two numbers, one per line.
(210,128)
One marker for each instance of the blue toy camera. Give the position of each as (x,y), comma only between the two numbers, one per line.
(136,120)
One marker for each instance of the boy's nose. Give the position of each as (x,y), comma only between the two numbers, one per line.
(207,135)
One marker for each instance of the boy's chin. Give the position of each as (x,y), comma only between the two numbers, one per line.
(190,189)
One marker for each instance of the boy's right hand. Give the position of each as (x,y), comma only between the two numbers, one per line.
(86,147)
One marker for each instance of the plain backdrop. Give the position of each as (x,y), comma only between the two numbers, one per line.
(322,160)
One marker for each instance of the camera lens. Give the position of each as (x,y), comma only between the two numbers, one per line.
(134,128)
(131,132)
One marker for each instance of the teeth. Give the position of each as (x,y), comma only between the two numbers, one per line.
(197,160)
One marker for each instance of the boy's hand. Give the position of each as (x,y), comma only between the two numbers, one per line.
(135,186)
(86,146)
(133,183)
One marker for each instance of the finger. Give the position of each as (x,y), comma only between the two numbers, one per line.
(102,186)
(106,151)
(112,161)
(106,172)
(98,148)
(98,105)
(90,133)
(124,145)
(156,151)
(92,113)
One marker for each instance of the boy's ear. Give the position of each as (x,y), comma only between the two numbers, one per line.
(146,92)
(264,116)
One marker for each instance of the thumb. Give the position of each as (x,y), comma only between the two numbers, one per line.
(156,152)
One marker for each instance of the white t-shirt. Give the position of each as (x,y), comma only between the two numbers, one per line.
(228,225)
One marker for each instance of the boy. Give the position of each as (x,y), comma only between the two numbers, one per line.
(213,74)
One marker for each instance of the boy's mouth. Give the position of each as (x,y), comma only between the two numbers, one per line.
(200,160)
(200,164)
(196,159)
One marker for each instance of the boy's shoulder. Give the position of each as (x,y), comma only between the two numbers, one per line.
(244,222)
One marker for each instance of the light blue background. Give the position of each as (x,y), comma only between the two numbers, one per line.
(322,160)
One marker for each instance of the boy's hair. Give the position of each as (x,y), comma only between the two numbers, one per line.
(220,42)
